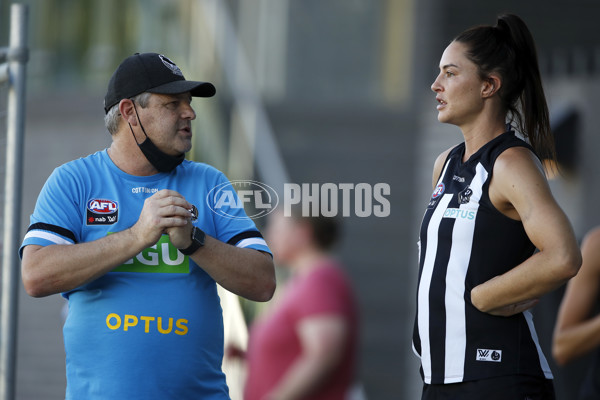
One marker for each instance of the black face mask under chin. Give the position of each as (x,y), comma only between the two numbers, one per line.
(160,160)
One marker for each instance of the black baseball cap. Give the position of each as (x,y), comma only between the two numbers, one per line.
(154,73)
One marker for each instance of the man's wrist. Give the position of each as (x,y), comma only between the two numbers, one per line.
(198,238)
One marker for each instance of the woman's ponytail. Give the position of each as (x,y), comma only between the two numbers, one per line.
(508,49)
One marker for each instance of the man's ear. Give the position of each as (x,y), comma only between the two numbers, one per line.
(127,110)
(491,85)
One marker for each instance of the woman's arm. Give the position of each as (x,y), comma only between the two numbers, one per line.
(519,190)
(576,333)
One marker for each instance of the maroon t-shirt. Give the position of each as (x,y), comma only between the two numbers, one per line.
(274,344)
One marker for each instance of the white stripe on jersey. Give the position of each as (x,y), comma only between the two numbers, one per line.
(423,300)
(251,241)
(543,362)
(458,264)
(52,237)
(424,284)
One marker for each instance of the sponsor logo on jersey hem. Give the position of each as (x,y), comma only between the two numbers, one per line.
(489,355)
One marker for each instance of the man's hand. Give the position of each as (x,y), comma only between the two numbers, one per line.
(180,236)
(165,211)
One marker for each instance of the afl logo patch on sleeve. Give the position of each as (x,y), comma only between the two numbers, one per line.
(102,212)
(435,196)
(439,190)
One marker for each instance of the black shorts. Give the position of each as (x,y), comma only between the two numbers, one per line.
(512,387)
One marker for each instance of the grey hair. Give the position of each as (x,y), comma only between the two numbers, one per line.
(113,116)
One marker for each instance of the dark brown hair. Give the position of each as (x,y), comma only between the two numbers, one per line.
(508,49)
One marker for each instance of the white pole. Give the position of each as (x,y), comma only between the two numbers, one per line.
(17,58)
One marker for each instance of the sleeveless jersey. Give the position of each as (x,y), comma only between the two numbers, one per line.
(465,241)
(152,328)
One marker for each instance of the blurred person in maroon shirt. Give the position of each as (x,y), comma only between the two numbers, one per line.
(305,345)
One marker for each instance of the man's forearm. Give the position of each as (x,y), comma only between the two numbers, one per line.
(246,272)
(60,268)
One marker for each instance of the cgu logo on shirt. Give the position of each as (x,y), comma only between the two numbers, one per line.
(163,257)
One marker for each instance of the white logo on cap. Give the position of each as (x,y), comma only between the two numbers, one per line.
(170,64)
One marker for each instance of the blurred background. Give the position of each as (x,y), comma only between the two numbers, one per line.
(308,91)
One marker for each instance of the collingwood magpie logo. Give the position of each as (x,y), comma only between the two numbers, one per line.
(171,65)
(465,195)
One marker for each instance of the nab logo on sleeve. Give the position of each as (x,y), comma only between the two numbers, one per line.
(102,212)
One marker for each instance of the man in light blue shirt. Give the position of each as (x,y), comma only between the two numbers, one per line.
(128,237)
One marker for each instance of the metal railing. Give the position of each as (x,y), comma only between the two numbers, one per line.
(13,59)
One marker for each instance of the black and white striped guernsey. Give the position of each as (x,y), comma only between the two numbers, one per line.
(465,241)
